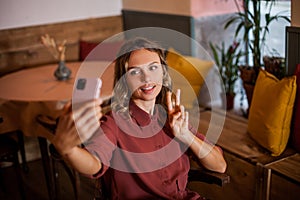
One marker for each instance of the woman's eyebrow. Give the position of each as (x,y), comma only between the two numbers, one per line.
(131,67)
(149,64)
(154,62)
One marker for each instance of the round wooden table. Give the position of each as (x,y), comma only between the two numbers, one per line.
(27,93)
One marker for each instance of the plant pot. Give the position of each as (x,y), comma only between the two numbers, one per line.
(228,101)
(249,88)
(275,66)
(248,74)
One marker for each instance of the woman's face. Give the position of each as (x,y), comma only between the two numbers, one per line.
(144,75)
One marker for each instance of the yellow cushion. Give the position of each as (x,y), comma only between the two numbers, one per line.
(271,111)
(188,74)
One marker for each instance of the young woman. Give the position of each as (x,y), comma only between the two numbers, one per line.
(142,146)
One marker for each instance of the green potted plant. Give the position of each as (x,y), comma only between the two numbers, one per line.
(227,61)
(254,31)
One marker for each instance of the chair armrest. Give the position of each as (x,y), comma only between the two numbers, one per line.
(47,122)
(203,175)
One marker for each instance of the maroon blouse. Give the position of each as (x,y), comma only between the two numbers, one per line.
(141,158)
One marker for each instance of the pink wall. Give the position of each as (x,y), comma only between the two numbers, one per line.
(194,8)
(295,13)
(213,7)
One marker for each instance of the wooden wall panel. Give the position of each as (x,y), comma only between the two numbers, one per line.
(22,48)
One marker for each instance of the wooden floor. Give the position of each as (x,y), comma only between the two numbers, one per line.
(34,184)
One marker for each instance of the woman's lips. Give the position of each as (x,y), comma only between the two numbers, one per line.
(148,89)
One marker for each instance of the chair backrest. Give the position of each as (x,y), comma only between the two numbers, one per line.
(101,192)
(99,50)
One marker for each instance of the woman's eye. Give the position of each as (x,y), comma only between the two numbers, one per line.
(153,67)
(134,72)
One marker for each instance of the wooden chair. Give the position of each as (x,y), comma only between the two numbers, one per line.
(9,153)
(195,173)
(18,136)
(51,166)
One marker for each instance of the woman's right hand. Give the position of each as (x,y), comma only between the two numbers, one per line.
(76,125)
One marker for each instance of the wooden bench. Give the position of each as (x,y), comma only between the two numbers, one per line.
(282,178)
(247,161)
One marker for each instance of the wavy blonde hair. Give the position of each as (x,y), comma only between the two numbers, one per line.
(122,94)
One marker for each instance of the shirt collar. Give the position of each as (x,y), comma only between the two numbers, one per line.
(140,116)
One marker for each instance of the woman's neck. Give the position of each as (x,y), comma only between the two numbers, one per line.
(147,106)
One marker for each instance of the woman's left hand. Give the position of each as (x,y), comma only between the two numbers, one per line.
(179,119)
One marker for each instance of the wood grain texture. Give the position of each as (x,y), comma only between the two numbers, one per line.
(22,48)
(287,167)
(244,159)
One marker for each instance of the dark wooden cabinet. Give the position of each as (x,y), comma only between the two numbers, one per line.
(180,23)
(292,48)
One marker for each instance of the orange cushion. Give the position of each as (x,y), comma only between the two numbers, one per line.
(271,111)
(188,74)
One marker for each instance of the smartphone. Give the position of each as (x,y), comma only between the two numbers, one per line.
(86,89)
